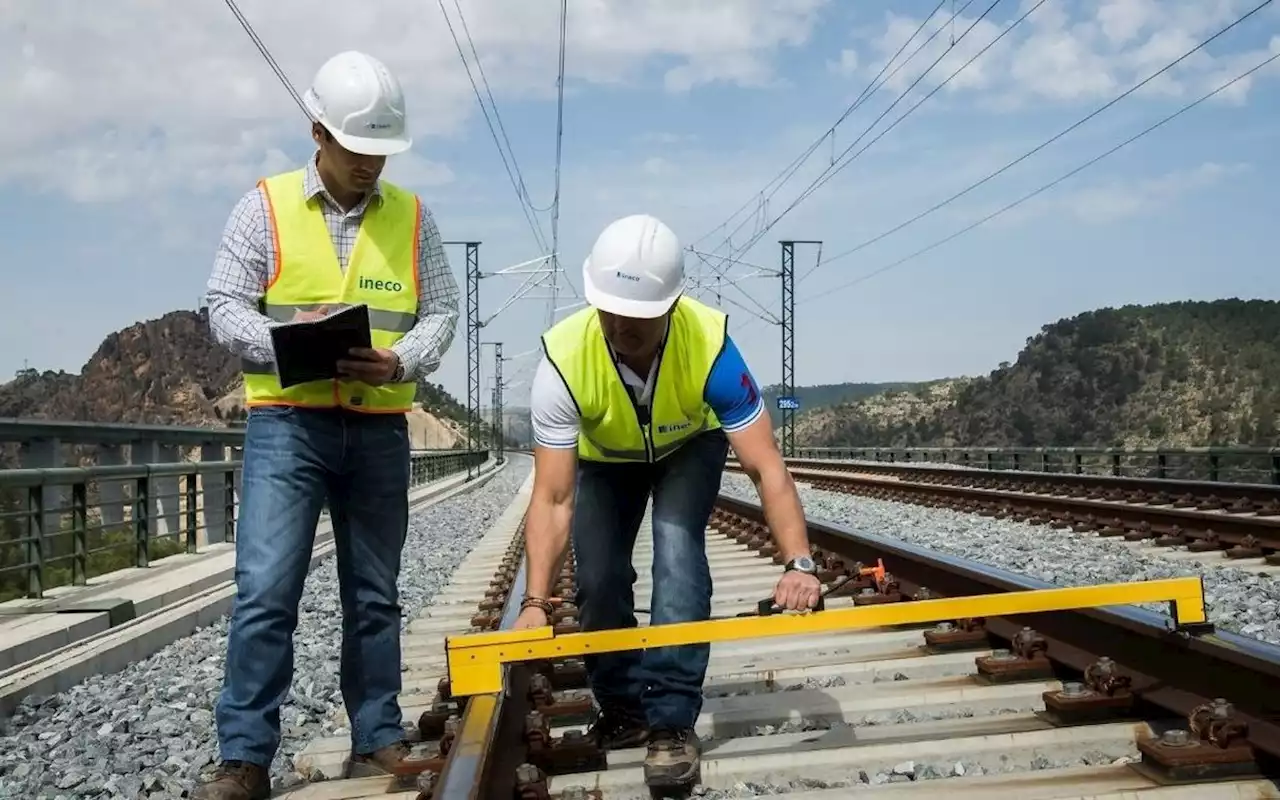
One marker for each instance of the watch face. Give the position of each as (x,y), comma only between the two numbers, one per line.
(804,564)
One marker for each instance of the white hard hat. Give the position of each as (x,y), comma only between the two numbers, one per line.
(635,269)
(360,102)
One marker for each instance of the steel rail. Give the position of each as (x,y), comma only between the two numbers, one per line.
(1177,671)
(1149,490)
(1174,671)
(482,761)
(1232,529)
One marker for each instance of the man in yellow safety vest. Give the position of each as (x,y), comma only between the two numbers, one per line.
(296,247)
(640,395)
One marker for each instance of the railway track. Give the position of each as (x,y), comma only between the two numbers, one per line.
(1058,705)
(1239,521)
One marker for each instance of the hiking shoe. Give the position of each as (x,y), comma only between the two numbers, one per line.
(616,729)
(235,780)
(674,758)
(379,763)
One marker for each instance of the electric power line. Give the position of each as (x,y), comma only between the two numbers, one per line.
(867,91)
(785,175)
(266,54)
(1042,145)
(1051,184)
(516,183)
(812,186)
(555,201)
(822,177)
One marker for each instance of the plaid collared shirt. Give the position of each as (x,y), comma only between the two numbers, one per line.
(242,268)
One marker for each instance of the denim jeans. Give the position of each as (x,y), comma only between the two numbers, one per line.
(293,460)
(665,683)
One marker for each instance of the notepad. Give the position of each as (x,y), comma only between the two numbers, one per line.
(310,351)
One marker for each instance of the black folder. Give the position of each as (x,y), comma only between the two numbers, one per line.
(310,351)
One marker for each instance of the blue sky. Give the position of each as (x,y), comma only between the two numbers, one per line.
(144,124)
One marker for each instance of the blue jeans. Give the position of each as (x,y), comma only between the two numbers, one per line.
(664,683)
(293,460)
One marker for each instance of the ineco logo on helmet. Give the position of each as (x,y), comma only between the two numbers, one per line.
(381,286)
(626,276)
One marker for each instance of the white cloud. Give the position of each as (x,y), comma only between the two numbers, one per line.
(1115,201)
(1106,202)
(847,64)
(1055,56)
(109,100)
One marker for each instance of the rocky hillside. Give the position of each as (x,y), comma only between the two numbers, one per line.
(165,371)
(169,371)
(1192,373)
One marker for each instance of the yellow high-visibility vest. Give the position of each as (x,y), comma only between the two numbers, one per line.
(610,427)
(382,274)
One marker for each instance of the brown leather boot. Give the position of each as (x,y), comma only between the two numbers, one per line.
(236,780)
(381,762)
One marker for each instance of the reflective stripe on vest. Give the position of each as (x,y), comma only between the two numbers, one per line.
(382,274)
(610,428)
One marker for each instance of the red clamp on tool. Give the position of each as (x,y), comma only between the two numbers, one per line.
(877,572)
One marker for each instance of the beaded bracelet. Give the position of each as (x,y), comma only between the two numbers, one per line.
(537,602)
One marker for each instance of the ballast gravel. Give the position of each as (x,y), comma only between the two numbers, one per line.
(148,731)
(1237,600)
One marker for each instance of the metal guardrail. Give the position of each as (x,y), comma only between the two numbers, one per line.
(154,510)
(1227,464)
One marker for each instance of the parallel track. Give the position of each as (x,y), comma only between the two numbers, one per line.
(826,717)
(1241,521)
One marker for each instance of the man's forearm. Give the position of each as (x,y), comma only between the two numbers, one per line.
(422,347)
(241,329)
(783,512)
(546,543)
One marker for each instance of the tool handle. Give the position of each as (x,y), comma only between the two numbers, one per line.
(767,608)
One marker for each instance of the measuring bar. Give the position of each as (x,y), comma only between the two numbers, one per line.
(476,659)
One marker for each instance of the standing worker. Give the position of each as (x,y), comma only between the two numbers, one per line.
(298,246)
(641,394)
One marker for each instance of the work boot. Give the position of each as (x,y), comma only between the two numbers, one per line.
(378,763)
(673,759)
(618,728)
(235,780)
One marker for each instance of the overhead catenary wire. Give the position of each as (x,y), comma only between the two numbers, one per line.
(1044,188)
(942,204)
(512,167)
(721,278)
(522,190)
(876,82)
(873,86)
(266,55)
(555,200)
(791,168)
(822,177)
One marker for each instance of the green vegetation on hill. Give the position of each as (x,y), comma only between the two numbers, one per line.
(1179,374)
(436,399)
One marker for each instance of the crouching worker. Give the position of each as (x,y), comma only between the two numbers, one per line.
(640,395)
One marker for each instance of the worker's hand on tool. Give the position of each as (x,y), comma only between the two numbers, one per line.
(532,618)
(797,591)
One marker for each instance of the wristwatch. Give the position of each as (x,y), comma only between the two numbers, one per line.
(398,375)
(802,564)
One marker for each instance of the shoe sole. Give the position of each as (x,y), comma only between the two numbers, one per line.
(669,781)
(362,770)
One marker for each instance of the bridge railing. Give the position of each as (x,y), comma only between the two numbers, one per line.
(1227,464)
(131,494)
